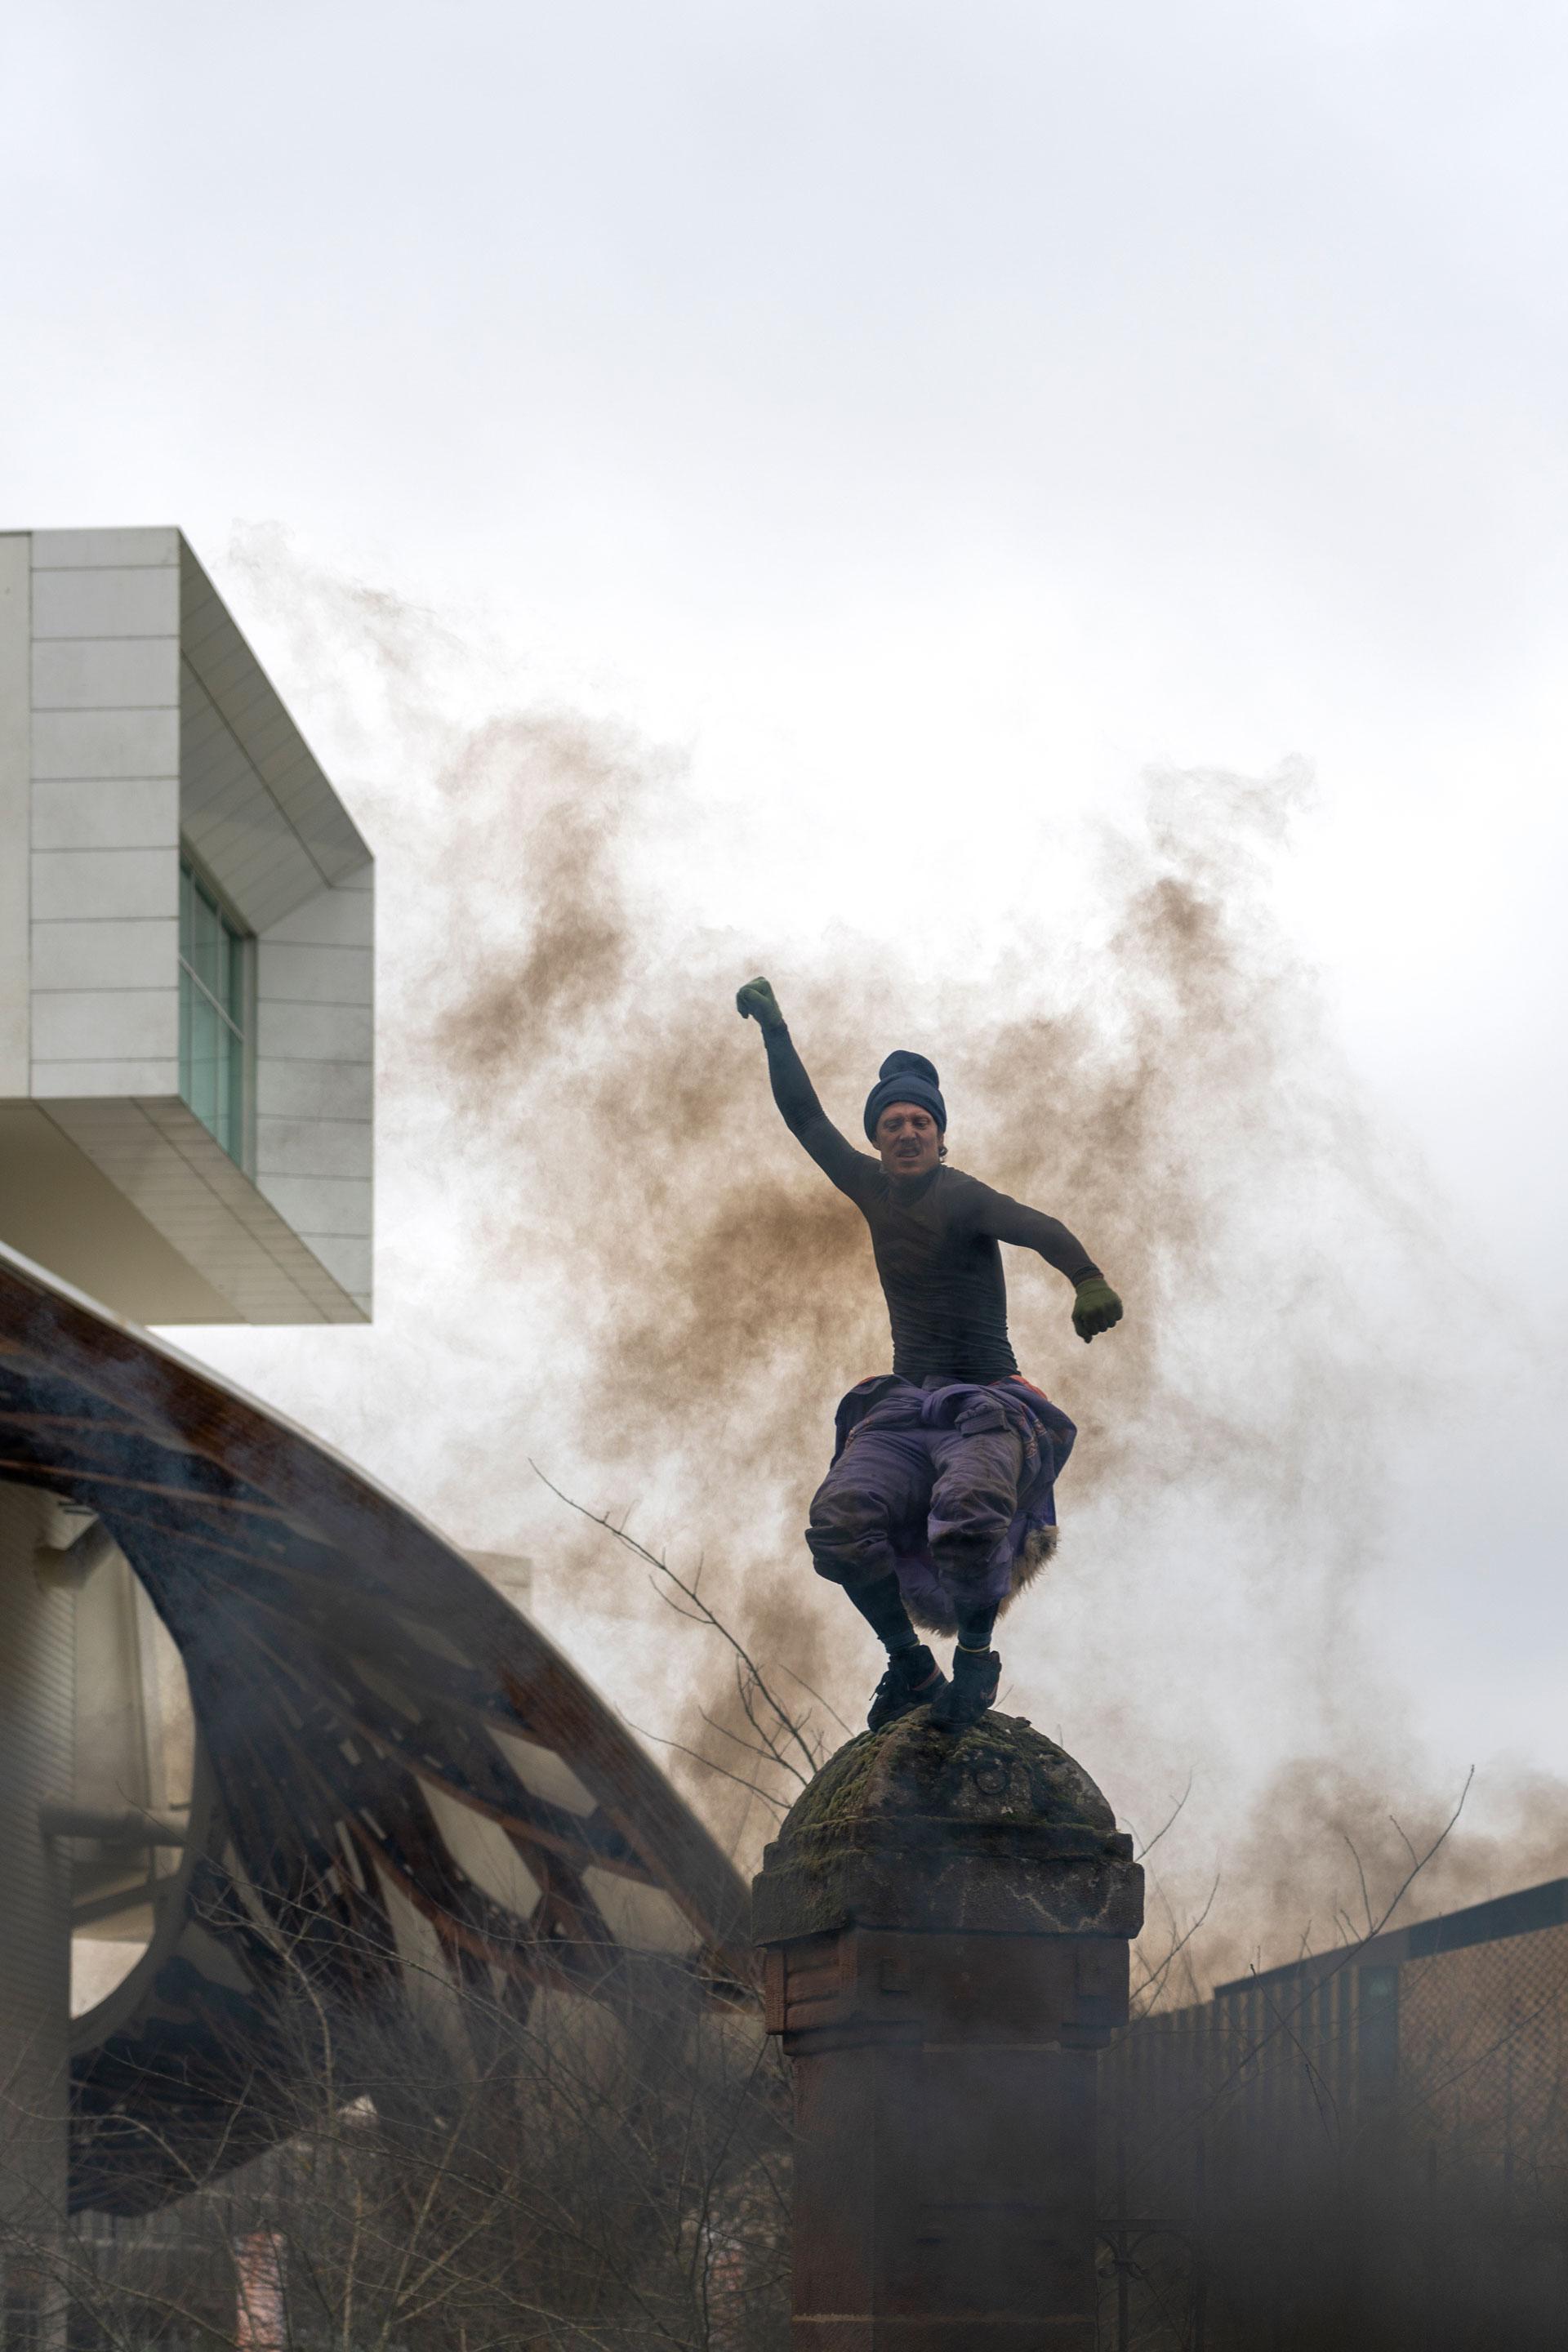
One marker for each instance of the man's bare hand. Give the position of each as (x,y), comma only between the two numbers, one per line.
(1095,1309)
(756,1002)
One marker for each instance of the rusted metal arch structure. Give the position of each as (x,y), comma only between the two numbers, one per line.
(396,1768)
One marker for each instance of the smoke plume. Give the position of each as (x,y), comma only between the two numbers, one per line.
(603,1253)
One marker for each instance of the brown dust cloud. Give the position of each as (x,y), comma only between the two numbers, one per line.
(603,1253)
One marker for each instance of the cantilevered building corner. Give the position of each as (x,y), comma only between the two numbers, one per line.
(187,924)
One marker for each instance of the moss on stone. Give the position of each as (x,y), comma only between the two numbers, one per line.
(996,1830)
(1001,1771)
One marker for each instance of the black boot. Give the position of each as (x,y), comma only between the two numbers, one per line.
(975,1676)
(913,1679)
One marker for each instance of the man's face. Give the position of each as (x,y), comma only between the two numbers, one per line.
(907,1139)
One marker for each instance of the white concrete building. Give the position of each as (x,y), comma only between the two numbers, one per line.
(187,924)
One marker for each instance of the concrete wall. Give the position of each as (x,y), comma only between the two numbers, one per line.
(315,1032)
(105,708)
(61,1209)
(262,818)
(134,718)
(36,1724)
(16,810)
(135,1745)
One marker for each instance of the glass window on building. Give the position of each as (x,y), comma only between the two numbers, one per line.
(215,1018)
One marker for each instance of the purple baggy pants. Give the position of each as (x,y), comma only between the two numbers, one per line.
(951,1485)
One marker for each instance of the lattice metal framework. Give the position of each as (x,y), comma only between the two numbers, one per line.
(393,1757)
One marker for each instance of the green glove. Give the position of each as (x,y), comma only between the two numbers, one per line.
(756,1002)
(1095,1309)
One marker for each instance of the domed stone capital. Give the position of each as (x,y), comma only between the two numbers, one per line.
(996,1831)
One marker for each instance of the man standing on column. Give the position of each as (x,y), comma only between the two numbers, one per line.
(939,1503)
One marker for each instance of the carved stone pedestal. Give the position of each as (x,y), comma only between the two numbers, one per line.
(945,1923)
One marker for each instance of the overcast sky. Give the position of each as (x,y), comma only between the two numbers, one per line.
(931,414)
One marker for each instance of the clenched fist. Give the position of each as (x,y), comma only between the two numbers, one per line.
(756,1002)
(1096,1307)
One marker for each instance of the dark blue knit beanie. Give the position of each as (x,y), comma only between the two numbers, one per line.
(905,1077)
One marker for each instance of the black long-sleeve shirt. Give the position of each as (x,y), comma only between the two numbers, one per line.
(934,1239)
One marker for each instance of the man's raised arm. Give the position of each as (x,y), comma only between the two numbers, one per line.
(797,1096)
(1095,1306)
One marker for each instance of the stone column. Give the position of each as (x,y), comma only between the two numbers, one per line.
(36,1722)
(945,1926)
